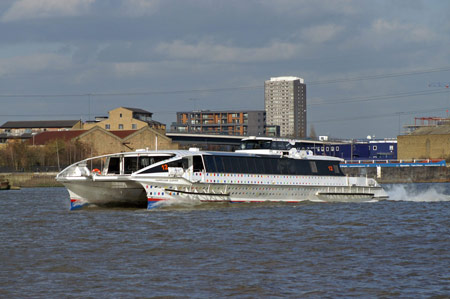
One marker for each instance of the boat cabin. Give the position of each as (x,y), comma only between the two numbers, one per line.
(233,163)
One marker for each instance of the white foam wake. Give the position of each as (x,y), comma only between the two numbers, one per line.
(418,193)
(178,203)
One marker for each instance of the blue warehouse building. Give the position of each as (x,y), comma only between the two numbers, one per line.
(352,150)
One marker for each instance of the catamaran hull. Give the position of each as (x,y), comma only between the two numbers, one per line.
(201,192)
(105,193)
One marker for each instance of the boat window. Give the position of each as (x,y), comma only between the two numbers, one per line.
(279,145)
(219,164)
(114,165)
(209,163)
(286,166)
(130,165)
(198,163)
(182,163)
(256,144)
(230,164)
(144,162)
(337,169)
(269,165)
(251,164)
(266,144)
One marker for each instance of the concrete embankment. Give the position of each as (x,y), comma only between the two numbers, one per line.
(31,179)
(397,175)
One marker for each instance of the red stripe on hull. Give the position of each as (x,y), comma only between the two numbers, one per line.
(266,201)
(155,199)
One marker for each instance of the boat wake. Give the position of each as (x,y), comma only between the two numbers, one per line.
(419,192)
(178,203)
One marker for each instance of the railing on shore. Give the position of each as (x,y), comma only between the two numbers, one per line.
(393,163)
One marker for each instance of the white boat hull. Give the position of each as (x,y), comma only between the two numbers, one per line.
(105,193)
(179,190)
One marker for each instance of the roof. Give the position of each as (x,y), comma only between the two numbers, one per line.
(221,111)
(438,130)
(286,78)
(45,137)
(137,110)
(39,124)
(123,133)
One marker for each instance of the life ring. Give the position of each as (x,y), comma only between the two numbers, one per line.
(96,171)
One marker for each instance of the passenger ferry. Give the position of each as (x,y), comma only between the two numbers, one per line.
(200,176)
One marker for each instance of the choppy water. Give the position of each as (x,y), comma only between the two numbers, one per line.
(395,248)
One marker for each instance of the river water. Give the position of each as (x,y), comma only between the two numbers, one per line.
(394,248)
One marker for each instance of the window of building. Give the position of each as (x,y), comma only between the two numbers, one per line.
(107,126)
(337,148)
(391,147)
(120,127)
(120,115)
(134,126)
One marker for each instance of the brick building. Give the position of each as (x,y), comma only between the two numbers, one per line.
(124,118)
(425,143)
(104,142)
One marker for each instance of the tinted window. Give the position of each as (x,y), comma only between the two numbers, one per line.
(165,167)
(219,164)
(114,165)
(251,164)
(231,164)
(198,163)
(144,162)
(210,164)
(130,165)
(266,165)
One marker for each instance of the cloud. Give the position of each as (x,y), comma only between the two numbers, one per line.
(131,69)
(384,32)
(31,64)
(308,8)
(33,9)
(138,8)
(208,51)
(321,33)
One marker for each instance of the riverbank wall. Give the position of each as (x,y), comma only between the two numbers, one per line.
(402,175)
(31,179)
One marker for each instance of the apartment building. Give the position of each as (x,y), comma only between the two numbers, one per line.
(285,105)
(245,123)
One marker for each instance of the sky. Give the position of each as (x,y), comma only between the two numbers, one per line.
(370,67)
